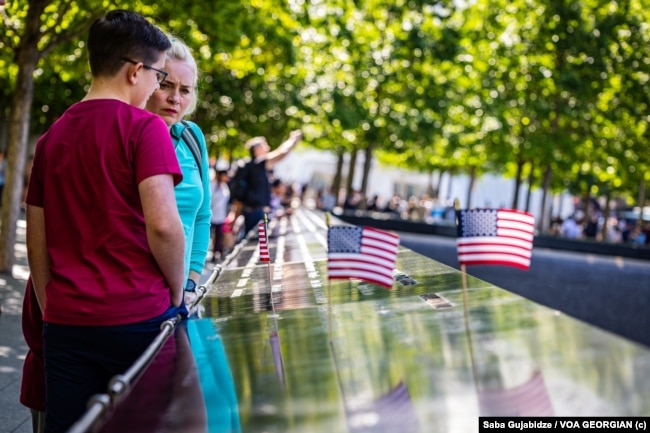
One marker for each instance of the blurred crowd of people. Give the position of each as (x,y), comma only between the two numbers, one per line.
(419,209)
(428,209)
(597,227)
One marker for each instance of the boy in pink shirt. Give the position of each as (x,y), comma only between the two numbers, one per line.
(104,239)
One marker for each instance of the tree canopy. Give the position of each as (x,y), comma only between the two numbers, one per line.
(554,90)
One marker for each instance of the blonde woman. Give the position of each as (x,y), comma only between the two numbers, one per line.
(174,100)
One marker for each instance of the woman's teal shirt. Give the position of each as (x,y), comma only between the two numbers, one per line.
(193,198)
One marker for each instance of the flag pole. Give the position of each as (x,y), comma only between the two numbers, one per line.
(467,328)
(463,276)
(466,222)
(329,290)
(329,310)
(274,335)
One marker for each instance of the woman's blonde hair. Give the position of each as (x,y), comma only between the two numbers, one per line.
(181,52)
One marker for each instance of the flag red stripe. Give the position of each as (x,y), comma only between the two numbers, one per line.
(517,216)
(515,233)
(368,277)
(387,237)
(488,246)
(356,270)
(375,255)
(482,254)
(513,263)
(370,259)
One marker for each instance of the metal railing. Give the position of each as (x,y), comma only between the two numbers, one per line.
(100,405)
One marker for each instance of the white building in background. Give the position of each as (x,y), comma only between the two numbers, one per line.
(316,169)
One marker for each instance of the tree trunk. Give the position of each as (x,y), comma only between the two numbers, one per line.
(449,186)
(639,221)
(351,166)
(544,223)
(586,205)
(336,182)
(606,212)
(515,198)
(27,58)
(560,205)
(434,185)
(367,164)
(531,180)
(472,180)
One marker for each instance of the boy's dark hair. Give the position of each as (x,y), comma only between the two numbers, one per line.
(123,34)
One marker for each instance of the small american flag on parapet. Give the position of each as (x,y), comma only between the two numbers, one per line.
(495,237)
(361,252)
(264,247)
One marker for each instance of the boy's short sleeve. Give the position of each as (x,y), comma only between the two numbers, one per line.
(154,152)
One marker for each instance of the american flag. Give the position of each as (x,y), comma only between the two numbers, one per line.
(495,237)
(528,399)
(264,246)
(361,252)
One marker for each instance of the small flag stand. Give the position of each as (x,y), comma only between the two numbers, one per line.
(491,237)
(463,277)
(264,254)
(361,253)
(274,335)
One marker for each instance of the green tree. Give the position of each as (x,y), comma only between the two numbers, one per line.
(33,30)
(43,49)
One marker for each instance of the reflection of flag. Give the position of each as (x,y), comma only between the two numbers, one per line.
(264,247)
(363,253)
(495,237)
(528,399)
(392,412)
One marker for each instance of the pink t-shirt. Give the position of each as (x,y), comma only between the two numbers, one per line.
(86,172)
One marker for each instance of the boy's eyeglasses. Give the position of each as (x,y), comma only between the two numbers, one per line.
(160,75)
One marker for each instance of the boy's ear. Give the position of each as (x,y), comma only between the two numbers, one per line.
(133,72)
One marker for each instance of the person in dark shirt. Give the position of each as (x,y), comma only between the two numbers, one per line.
(258,197)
